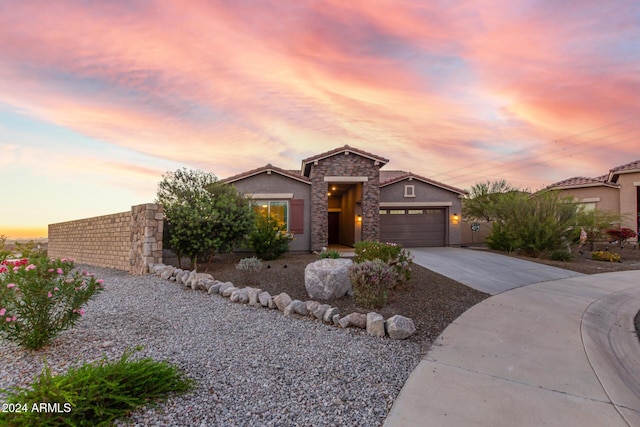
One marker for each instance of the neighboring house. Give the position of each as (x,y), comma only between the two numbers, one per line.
(618,192)
(342,197)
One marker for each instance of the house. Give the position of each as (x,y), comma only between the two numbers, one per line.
(342,196)
(618,192)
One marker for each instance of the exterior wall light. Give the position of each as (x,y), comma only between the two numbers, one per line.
(455,218)
(359,218)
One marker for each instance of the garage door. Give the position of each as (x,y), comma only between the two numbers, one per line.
(413,227)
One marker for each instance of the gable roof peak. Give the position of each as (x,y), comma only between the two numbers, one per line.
(306,163)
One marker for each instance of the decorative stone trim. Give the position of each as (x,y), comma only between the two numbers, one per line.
(396,327)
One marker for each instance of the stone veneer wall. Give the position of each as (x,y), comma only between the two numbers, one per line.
(344,165)
(129,241)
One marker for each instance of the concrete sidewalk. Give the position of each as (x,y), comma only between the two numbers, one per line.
(557,353)
(486,271)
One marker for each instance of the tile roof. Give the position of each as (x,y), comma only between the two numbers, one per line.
(581,181)
(629,166)
(389,177)
(266,168)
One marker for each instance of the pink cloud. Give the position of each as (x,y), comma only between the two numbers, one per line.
(229,86)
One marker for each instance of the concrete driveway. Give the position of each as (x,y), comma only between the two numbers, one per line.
(558,353)
(486,271)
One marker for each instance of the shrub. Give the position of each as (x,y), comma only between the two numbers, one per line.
(269,238)
(560,255)
(94,394)
(605,256)
(332,253)
(249,264)
(532,223)
(250,268)
(392,254)
(621,235)
(371,281)
(41,297)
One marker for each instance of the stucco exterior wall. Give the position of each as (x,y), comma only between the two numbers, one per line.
(629,183)
(275,183)
(609,196)
(129,241)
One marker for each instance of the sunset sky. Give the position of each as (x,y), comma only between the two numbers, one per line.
(99,98)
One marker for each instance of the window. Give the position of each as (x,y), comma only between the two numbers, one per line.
(383,211)
(415,211)
(396,211)
(409,191)
(277,208)
(586,207)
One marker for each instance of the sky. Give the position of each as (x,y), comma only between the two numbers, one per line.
(99,99)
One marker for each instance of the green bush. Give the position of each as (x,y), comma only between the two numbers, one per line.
(332,253)
(605,256)
(371,281)
(532,223)
(392,254)
(41,297)
(269,238)
(93,394)
(250,268)
(561,255)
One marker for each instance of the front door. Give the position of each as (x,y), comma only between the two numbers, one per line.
(334,228)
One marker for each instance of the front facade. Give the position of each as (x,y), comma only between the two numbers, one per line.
(617,192)
(342,197)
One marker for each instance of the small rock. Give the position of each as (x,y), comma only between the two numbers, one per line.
(271,304)
(264,298)
(375,324)
(240,295)
(312,305)
(254,294)
(224,286)
(318,313)
(215,288)
(328,315)
(166,272)
(228,291)
(400,327)
(107,344)
(282,301)
(298,307)
(336,319)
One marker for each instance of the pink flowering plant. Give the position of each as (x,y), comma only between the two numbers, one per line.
(40,297)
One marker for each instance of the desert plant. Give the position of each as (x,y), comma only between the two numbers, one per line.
(605,256)
(93,394)
(371,281)
(331,253)
(621,235)
(203,216)
(249,264)
(595,223)
(41,297)
(269,238)
(560,255)
(482,200)
(532,223)
(392,254)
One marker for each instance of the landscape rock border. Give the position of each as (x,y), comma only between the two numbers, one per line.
(396,327)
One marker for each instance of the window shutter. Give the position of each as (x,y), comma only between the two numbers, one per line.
(296,216)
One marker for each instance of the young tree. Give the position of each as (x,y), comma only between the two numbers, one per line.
(483,198)
(204,216)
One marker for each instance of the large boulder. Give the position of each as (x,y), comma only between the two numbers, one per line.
(375,324)
(328,278)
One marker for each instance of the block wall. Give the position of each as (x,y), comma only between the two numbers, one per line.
(129,241)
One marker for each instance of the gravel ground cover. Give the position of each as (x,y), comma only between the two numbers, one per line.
(252,366)
(431,300)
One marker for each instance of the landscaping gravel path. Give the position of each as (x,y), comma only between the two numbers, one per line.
(252,366)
